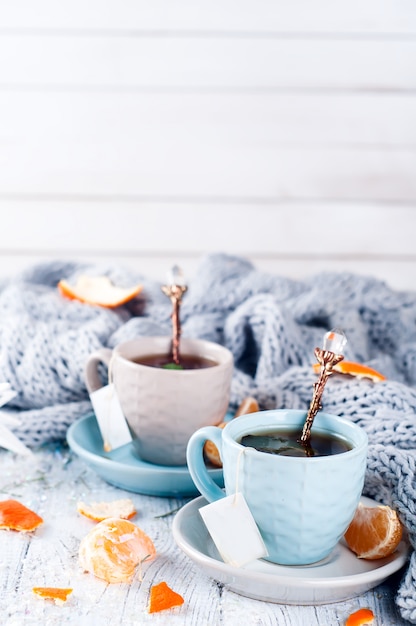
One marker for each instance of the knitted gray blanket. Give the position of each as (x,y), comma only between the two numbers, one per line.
(270,323)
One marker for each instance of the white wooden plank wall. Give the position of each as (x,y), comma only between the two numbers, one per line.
(153,132)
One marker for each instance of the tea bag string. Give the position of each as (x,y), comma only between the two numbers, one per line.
(237,470)
(110,391)
(110,368)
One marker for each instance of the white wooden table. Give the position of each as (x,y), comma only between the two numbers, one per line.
(51,483)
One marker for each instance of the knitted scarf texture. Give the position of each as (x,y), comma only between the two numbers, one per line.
(270,323)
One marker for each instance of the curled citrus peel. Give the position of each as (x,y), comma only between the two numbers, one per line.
(59,595)
(162,597)
(375,532)
(16,516)
(362,617)
(353,369)
(98,511)
(248,405)
(98,290)
(114,548)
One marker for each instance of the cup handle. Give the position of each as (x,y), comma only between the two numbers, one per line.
(92,379)
(196,463)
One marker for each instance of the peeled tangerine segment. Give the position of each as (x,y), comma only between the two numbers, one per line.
(375,532)
(248,405)
(98,290)
(114,548)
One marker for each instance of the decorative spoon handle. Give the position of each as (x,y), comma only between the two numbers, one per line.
(175,291)
(328,357)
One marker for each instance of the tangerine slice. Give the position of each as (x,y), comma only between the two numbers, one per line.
(98,290)
(248,405)
(211,452)
(360,618)
(98,511)
(16,516)
(162,597)
(114,548)
(354,369)
(58,594)
(375,532)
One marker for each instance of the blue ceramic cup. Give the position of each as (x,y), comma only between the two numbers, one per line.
(302,505)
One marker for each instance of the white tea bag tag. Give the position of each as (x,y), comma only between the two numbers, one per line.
(233,530)
(111,421)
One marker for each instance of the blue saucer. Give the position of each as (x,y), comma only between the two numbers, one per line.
(123,468)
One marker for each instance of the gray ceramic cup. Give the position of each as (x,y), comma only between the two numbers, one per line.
(164,407)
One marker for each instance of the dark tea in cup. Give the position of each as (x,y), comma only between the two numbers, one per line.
(186,361)
(286,442)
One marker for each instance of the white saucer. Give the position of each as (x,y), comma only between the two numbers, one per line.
(338,577)
(123,467)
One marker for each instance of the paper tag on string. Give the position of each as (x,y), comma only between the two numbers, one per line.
(111,421)
(233,530)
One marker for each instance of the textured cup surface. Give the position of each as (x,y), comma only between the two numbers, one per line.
(302,505)
(163,407)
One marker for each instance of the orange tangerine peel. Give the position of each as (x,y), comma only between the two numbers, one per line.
(354,369)
(98,290)
(375,532)
(59,595)
(362,617)
(248,405)
(162,597)
(114,548)
(16,516)
(99,511)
